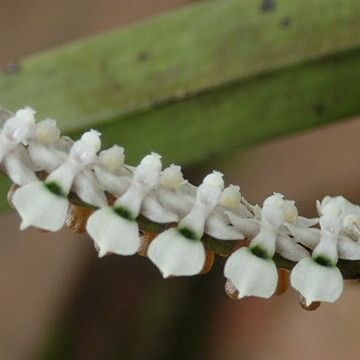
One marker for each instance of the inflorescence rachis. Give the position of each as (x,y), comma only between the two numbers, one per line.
(178,226)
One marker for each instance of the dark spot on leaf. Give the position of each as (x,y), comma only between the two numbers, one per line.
(11,68)
(286,22)
(143,56)
(268,5)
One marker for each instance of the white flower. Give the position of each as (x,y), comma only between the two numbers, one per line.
(349,235)
(14,158)
(114,229)
(46,131)
(17,129)
(179,251)
(110,171)
(178,195)
(317,278)
(48,151)
(45,204)
(217,224)
(252,270)
(284,245)
(174,192)
(45,147)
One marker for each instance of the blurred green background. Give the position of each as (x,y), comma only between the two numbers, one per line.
(59,301)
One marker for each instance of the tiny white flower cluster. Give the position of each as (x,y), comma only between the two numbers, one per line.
(29,149)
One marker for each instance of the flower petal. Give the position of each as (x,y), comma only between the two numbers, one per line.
(250,274)
(306,222)
(113,233)
(115,185)
(249,227)
(88,189)
(348,249)
(316,282)
(46,157)
(39,207)
(154,211)
(307,236)
(18,167)
(220,229)
(176,255)
(288,249)
(176,201)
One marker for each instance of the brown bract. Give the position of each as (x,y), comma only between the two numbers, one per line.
(283,281)
(145,240)
(78,217)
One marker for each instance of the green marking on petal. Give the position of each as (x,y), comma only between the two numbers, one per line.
(324,261)
(124,213)
(188,233)
(55,188)
(260,252)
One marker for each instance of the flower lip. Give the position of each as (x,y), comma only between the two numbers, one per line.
(316,282)
(251,275)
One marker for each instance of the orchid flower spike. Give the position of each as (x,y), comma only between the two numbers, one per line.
(252,270)
(14,159)
(179,251)
(45,204)
(317,278)
(114,229)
